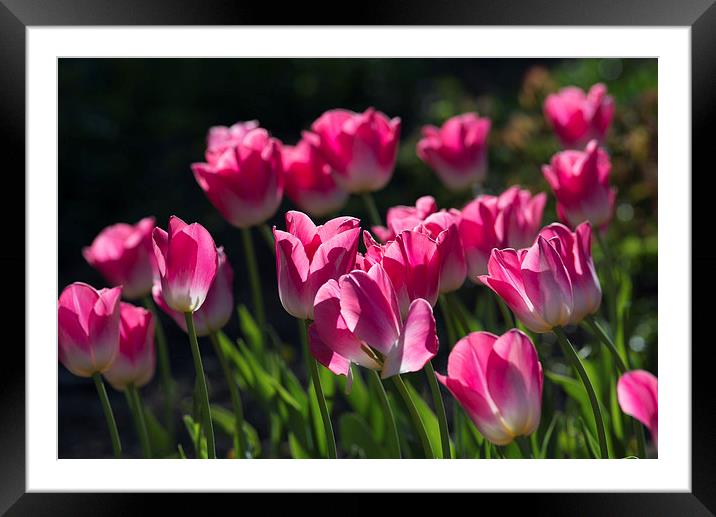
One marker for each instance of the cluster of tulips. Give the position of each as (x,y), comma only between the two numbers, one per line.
(365,297)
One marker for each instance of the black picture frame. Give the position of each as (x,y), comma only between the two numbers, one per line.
(17,15)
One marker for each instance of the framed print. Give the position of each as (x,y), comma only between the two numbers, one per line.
(366,258)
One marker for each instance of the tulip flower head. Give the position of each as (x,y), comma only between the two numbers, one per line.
(638,392)
(578,117)
(221,138)
(136,360)
(216,310)
(443,227)
(403,217)
(123,254)
(245,182)
(575,249)
(457,151)
(88,328)
(309,182)
(360,147)
(498,381)
(187,262)
(357,320)
(534,283)
(580,181)
(510,220)
(307,256)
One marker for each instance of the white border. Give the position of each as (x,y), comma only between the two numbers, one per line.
(672,471)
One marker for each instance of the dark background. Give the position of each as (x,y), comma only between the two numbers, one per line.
(130,128)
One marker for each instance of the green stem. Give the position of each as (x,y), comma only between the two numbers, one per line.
(108,415)
(239,436)
(439,410)
(447,317)
(392,437)
(165,372)
(255,281)
(267,234)
(137,409)
(597,329)
(203,390)
(320,399)
(576,362)
(372,209)
(414,415)
(506,314)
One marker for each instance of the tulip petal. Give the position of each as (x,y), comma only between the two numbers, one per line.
(326,356)
(333,258)
(468,360)
(292,268)
(418,342)
(637,392)
(300,226)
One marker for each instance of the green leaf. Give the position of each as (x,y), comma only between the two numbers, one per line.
(548,436)
(159,438)
(245,375)
(358,397)
(264,385)
(197,437)
(589,440)
(250,329)
(429,420)
(296,448)
(180,449)
(356,438)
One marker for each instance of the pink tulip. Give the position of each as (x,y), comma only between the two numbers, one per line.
(575,249)
(637,392)
(403,217)
(221,138)
(136,360)
(457,151)
(187,262)
(510,220)
(534,283)
(498,381)
(580,181)
(122,253)
(309,182)
(88,328)
(360,147)
(307,256)
(216,310)
(357,320)
(577,117)
(443,227)
(413,264)
(245,182)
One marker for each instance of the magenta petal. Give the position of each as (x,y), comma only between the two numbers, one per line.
(300,226)
(333,258)
(638,394)
(292,270)
(418,342)
(326,356)
(160,243)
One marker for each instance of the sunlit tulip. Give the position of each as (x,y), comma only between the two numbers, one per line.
(580,181)
(357,320)
(221,138)
(457,151)
(123,254)
(534,283)
(578,117)
(498,381)
(309,182)
(576,252)
(403,217)
(360,147)
(187,262)
(88,328)
(216,310)
(136,360)
(443,227)
(412,262)
(245,182)
(638,392)
(307,256)
(510,220)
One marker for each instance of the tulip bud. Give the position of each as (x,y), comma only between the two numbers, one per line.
(136,360)
(580,181)
(245,182)
(218,307)
(534,283)
(443,228)
(498,381)
(307,256)
(403,217)
(638,396)
(575,249)
(123,254)
(457,151)
(309,182)
(577,117)
(360,147)
(221,138)
(88,328)
(187,262)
